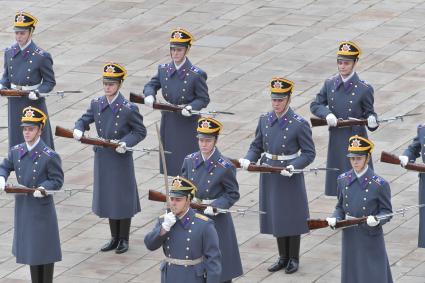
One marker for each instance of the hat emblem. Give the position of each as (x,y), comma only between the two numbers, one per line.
(345,47)
(205,124)
(177,35)
(110,69)
(277,84)
(355,143)
(20,18)
(176,183)
(29,113)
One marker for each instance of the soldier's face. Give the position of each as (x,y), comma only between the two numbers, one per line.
(111,88)
(31,133)
(206,146)
(22,37)
(345,67)
(178,54)
(179,205)
(279,104)
(358,162)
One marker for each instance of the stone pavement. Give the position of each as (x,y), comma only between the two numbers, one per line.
(241,44)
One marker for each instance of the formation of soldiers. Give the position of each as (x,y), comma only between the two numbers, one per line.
(196,233)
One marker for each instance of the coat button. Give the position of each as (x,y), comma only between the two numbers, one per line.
(187,248)
(346,204)
(364,208)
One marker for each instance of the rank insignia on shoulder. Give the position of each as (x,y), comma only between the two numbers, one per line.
(298,118)
(365,83)
(163,65)
(18,147)
(198,71)
(200,216)
(343,175)
(48,151)
(192,155)
(378,180)
(421,125)
(40,51)
(223,162)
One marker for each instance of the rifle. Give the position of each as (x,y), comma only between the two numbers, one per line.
(23,93)
(317,122)
(65,133)
(10,189)
(274,169)
(173,108)
(322,223)
(387,157)
(160,197)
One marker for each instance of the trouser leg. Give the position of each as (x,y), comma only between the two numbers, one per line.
(48,270)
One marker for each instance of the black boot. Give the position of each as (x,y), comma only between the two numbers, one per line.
(36,274)
(282,261)
(113,242)
(48,272)
(124,236)
(294,254)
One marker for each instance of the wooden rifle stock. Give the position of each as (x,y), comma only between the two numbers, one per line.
(158,196)
(22,190)
(14,92)
(322,223)
(65,133)
(317,122)
(156,105)
(258,168)
(387,157)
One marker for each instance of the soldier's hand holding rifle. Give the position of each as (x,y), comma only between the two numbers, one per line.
(372,221)
(78,134)
(33,95)
(331,222)
(187,111)
(244,163)
(37,193)
(210,211)
(331,120)
(2,183)
(149,100)
(122,148)
(288,171)
(403,160)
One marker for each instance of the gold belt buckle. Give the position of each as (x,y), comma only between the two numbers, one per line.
(274,157)
(18,87)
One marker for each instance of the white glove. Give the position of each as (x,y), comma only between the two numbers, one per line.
(331,221)
(187,111)
(33,95)
(149,100)
(169,221)
(122,148)
(371,122)
(244,163)
(210,211)
(372,221)
(287,172)
(77,134)
(403,160)
(37,193)
(2,183)
(331,120)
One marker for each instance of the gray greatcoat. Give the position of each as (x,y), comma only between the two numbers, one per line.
(417,149)
(364,258)
(186,86)
(353,98)
(115,193)
(215,179)
(284,199)
(29,67)
(36,234)
(191,237)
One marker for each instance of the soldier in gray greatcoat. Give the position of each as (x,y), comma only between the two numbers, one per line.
(188,239)
(280,136)
(27,67)
(215,177)
(344,96)
(182,84)
(36,234)
(417,149)
(362,193)
(115,193)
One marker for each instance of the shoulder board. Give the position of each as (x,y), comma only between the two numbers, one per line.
(200,216)
(18,147)
(128,104)
(197,70)
(332,77)
(343,175)
(421,125)
(161,66)
(298,118)
(48,151)
(40,51)
(363,82)
(96,99)
(223,162)
(192,155)
(378,180)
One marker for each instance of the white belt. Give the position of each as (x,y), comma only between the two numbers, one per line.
(203,201)
(177,261)
(280,157)
(24,87)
